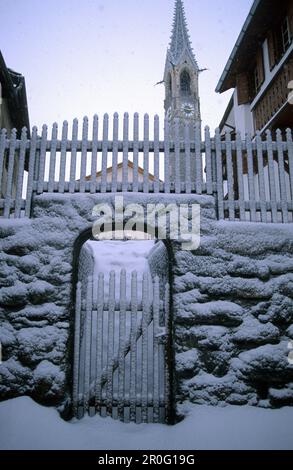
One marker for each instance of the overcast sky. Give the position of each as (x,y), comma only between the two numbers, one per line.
(82,57)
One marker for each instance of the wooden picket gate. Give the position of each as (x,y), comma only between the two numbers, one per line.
(122,349)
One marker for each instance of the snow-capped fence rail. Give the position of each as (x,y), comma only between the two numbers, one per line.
(252,179)
(122,350)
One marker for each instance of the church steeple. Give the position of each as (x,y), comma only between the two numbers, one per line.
(181,81)
(180,40)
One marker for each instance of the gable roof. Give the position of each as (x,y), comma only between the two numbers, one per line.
(120,166)
(260,16)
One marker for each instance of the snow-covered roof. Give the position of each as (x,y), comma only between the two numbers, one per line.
(130,165)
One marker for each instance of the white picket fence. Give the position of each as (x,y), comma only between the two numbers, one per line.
(252,179)
(122,350)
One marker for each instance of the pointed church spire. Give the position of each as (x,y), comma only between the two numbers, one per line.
(182,103)
(180,40)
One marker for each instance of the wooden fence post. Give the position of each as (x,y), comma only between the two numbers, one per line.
(105,153)
(146,154)
(125,152)
(61,183)
(9,186)
(52,163)
(20,173)
(208,155)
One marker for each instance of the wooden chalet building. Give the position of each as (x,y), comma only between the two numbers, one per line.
(260,69)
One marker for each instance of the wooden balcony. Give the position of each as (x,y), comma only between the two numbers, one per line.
(275,98)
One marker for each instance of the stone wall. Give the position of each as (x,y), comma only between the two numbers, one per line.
(233,309)
(232,304)
(37,291)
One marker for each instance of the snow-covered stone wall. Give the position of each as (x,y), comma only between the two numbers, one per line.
(232,298)
(233,309)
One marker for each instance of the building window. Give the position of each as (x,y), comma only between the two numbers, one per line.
(185,83)
(279,40)
(286,39)
(257,74)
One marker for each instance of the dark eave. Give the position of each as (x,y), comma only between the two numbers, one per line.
(14,90)
(262,16)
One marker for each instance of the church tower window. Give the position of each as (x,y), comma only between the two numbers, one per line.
(185,83)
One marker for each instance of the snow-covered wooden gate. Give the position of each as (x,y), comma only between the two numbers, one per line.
(122,350)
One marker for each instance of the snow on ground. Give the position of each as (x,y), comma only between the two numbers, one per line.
(116,255)
(27,425)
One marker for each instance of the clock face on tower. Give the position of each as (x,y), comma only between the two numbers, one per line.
(187,110)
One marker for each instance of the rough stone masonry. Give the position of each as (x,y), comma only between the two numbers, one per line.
(232,305)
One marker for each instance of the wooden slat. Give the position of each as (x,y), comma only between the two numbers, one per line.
(20,173)
(187,158)
(251,185)
(198,159)
(83,160)
(156,154)
(73,156)
(177,157)
(9,185)
(2,156)
(268,206)
(122,340)
(105,153)
(290,158)
(125,152)
(144,372)
(99,351)
(61,185)
(146,139)
(135,151)
(94,156)
(261,178)
(76,364)
(52,164)
(87,339)
(115,152)
(282,176)
(167,351)
(167,156)
(273,193)
(219,175)
(133,345)
(239,156)
(110,342)
(31,172)
(140,146)
(42,160)
(230,176)
(208,157)
(156,310)
(214,166)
